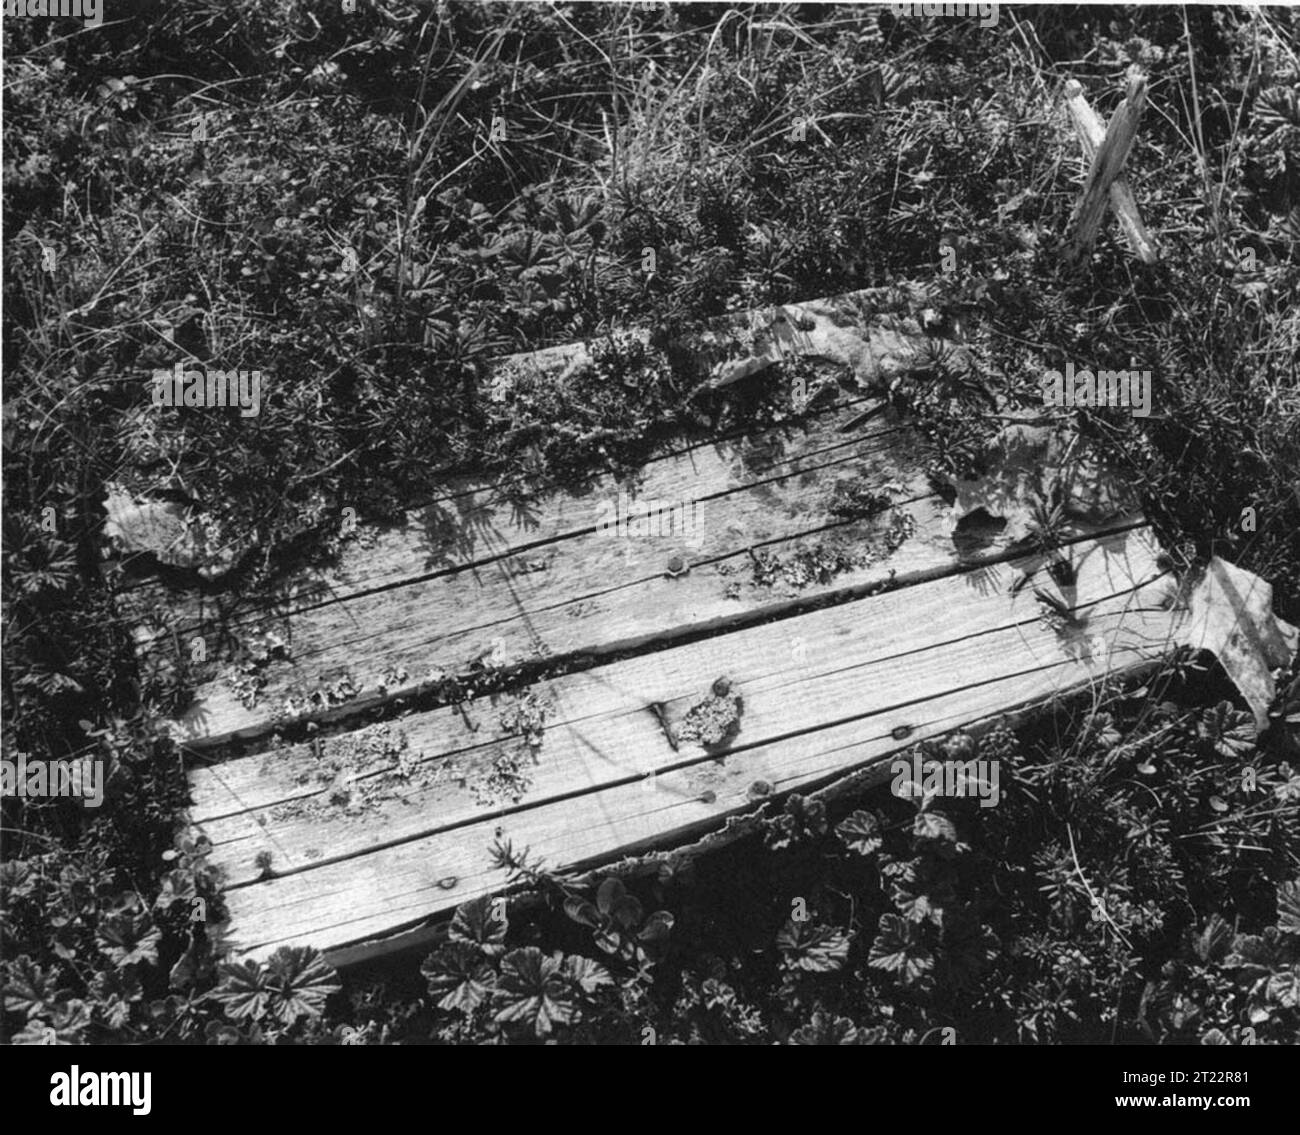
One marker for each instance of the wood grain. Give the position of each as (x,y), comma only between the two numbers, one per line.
(1106,166)
(591,590)
(1091,133)
(926,659)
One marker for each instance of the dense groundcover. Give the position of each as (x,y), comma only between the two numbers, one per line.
(370,205)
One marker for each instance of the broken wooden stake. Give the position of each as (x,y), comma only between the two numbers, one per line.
(1091,132)
(1108,151)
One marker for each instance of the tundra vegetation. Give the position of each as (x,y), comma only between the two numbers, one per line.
(367,206)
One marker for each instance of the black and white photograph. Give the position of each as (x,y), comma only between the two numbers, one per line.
(636,524)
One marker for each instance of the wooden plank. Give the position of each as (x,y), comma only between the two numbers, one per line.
(1107,164)
(871,332)
(475,527)
(346,903)
(448,622)
(916,659)
(596,594)
(590,591)
(470,523)
(248,798)
(1091,132)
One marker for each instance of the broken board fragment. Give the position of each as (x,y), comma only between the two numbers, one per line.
(1230,614)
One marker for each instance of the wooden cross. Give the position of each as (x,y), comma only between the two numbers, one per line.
(1107,150)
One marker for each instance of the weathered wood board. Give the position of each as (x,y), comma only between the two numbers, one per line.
(393,587)
(822,694)
(765,536)
(574,588)
(815,567)
(608,708)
